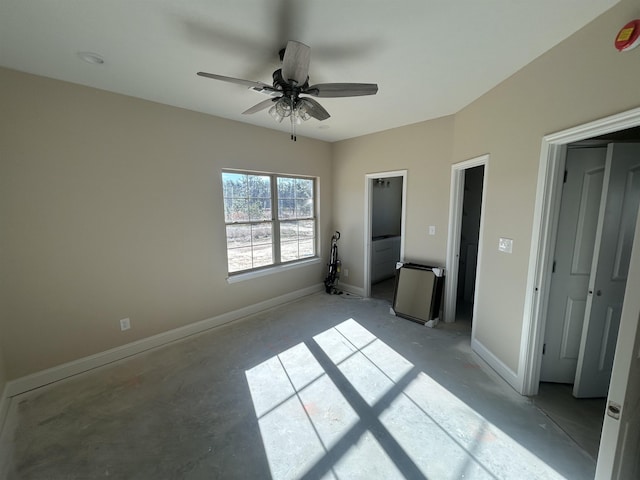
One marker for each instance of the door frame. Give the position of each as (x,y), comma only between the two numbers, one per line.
(545,219)
(368,212)
(456,201)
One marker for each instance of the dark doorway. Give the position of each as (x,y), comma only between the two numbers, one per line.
(469,236)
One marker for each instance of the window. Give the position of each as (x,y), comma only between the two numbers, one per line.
(270,219)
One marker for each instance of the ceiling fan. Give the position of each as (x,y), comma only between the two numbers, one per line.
(291,82)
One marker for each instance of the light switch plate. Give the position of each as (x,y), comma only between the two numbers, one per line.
(432,229)
(505,245)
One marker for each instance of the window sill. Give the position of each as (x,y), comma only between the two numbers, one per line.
(241,277)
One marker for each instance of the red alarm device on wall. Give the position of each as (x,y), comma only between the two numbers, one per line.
(629,36)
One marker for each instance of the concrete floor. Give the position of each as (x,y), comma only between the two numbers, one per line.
(326,387)
(581,418)
(384,290)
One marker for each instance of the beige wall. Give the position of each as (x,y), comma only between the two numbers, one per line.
(582,79)
(111,205)
(424,150)
(111,208)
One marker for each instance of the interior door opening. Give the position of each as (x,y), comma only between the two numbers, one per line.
(593,237)
(466,208)
(469,238)
(384,233)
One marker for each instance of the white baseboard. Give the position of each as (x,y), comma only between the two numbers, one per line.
(497,365)
(351,289)
(59,372)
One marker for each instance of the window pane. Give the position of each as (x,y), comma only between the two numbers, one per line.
(295,198)
(259,186)
(261,233)
(239,259)
(288,231)
(260,209)
(288,251)
(286,187)
(307,229)
(307,248)
(286,208)
(297,240)
(234,184)
(246,197)
(238,236)
(262,255)
(235,210)
(235,191)
(262,239)
(249,246)
(304,208)
(304,188)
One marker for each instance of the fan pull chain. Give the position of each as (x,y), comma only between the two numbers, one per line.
(293,123)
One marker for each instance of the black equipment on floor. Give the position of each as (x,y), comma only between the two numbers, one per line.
(418,293)
(334,267)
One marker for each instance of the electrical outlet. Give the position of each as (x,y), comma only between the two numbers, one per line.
(345,272)
(125,324)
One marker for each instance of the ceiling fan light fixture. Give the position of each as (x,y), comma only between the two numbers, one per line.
(273,111)
(283,107)
(302,110)
(297,109)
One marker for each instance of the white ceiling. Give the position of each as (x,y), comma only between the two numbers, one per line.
(429,57)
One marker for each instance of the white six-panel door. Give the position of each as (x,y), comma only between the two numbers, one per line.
(612,253)
(576,235)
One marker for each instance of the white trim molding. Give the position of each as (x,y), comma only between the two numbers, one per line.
(350,289)
(496,364)
(60,372)
(542,239)
(241,277)
(456,199)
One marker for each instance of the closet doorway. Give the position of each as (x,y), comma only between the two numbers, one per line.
(468,186)
(384,231)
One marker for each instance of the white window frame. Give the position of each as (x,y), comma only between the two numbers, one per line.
(277,264)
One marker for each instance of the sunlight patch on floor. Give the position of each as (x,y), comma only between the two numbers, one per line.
(346,405)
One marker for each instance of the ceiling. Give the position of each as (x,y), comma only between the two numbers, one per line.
(430,58)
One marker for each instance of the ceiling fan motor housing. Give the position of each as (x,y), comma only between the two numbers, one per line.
(288,88)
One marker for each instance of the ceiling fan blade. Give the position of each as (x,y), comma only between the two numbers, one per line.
(260,106)
(341,89)
(238,81)
(316,110)
(295,63)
